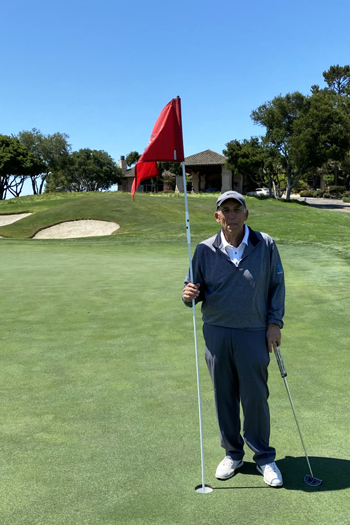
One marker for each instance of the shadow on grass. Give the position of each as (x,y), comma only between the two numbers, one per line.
(335,474)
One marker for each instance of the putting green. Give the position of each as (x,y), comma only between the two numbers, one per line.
(99,418)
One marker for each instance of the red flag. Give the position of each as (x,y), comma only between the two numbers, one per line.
(143,170)
(165,144)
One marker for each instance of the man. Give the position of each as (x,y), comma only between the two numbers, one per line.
(239,279)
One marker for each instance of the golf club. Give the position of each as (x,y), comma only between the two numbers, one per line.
(309,479)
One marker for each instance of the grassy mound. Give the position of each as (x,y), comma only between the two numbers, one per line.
(161,217)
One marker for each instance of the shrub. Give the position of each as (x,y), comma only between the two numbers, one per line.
(328,196)
(300,186)
(336,189)
(319,193)
(306,193)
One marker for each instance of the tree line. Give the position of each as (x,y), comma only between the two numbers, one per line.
(305,136)
(49,163)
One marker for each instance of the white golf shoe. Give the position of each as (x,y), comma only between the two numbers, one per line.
(272,474)
(227,468)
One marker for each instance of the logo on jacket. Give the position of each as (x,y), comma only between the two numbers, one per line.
(279,269)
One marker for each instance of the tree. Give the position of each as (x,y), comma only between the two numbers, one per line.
(338,79)
(174,167)
(346,170)
(306,131)
(53,151)
(168,172)
(338,82)
(132,158)
(256,160)
(16,164)
(86,170)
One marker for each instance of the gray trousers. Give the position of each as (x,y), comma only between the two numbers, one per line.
(237,361)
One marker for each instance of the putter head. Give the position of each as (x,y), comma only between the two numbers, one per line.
(312,481)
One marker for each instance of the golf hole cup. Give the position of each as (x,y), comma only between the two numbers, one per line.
(204,490)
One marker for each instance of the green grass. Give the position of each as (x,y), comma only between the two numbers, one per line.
(99,417)
(160,218)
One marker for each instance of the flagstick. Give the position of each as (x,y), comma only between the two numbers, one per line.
(201,488)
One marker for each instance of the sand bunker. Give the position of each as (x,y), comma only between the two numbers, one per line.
(75,229)
(9,219)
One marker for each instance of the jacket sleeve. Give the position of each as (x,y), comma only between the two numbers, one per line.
(197,276)
(276,297)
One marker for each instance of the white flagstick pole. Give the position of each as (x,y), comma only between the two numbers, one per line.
(201,488)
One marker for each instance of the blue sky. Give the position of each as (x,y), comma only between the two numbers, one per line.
(101,71)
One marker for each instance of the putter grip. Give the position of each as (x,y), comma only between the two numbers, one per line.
(280,363)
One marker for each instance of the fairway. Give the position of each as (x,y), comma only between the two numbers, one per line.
(99,414)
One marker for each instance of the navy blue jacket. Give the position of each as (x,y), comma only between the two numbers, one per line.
(246,297)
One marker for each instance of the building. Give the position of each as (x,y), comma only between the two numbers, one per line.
(209,173)
(207,169)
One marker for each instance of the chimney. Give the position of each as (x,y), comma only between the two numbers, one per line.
(122,164)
